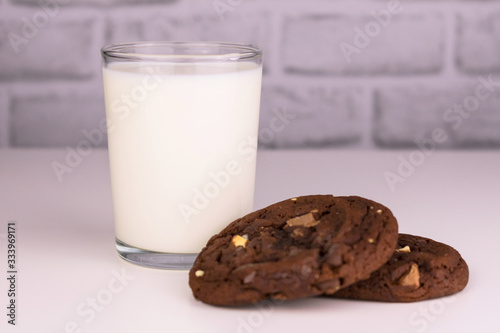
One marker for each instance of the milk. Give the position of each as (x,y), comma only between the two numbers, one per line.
(182,145)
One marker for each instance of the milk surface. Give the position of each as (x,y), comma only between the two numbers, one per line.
(182,145)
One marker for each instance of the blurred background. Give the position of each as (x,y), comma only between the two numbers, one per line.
(338,73)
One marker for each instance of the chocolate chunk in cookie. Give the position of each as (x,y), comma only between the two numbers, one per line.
(419,269)
(299,247)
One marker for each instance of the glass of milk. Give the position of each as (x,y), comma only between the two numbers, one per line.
(182,136)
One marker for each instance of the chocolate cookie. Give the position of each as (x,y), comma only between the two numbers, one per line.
(419,269)
(299,247)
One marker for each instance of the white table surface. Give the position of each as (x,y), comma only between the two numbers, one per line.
(68,266)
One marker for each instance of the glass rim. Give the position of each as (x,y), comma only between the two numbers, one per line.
(238,51)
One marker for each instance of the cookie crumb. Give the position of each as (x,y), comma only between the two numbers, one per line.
(199,273)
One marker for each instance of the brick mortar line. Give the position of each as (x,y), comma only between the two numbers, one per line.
(448,69)
(450,45)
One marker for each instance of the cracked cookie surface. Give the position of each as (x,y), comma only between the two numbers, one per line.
(296,248)
(419,269)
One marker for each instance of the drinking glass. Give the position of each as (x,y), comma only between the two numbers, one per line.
(182,123)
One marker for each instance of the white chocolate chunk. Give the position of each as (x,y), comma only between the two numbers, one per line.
(412,278)
(405,249)
(240,241)
(306,220)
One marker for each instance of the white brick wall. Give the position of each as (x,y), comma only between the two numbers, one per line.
(353,45)
(59,49)
(467,113)
(41,119)
(319,115)
(479,41)
(348,73)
